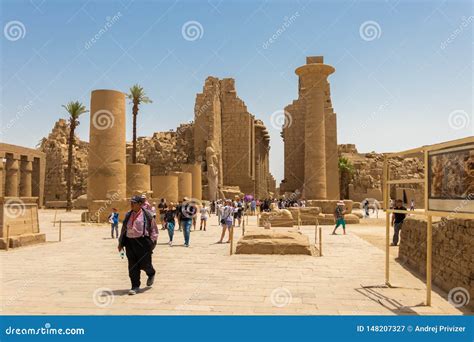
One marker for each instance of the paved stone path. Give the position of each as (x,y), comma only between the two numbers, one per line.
(84,274)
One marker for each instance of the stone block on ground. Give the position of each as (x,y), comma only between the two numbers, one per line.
(277,218)
(308,215)
(329,206)
(264,241)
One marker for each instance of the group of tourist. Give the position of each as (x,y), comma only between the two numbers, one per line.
(139,232)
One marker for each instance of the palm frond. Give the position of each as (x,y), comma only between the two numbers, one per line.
(75,109)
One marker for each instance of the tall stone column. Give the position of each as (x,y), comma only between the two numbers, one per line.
(11,182)
(2,176)
(25,177)
(313,77)
(107,164)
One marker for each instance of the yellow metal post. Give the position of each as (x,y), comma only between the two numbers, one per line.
(231,240)
(429,243)
(320,242)
(7,241)
(386,187)
(60,229)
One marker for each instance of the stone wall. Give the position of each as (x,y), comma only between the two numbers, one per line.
(55,147)
(165,151)
(367,178)
(453,252)
(236,144)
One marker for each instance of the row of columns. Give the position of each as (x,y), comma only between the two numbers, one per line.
(18,175)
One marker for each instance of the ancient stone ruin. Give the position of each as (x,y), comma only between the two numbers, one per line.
(231,143)
(310,137)
(22,172)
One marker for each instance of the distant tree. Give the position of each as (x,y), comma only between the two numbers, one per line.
(75,109)
(138,96)
(346,171)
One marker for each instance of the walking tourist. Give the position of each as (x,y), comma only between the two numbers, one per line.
(186,214)
(412,205)
(161,209)
(114,221)
(170,219)
(397,221)
(339,216)
(204,217)
(138,236)
(253,207)
(226,220)
(238,212)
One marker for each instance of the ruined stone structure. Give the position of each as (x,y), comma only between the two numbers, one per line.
(232,145)
(55,147)
(165,187)
(366,181)
(107,168)
(309,134)
(138,179)
(22,172)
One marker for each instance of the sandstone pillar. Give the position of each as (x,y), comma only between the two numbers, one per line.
(313,77)
(107,168)
(11,182)
(138,179)
(165,187)
(2,175)
(25,177)
(196,174)
(185,181)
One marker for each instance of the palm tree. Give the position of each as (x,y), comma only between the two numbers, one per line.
(75,109)
(346,170)
(138,96)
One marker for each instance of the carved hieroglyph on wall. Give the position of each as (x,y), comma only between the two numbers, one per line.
(451,179)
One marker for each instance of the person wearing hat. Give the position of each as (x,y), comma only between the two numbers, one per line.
(138,235)
(339,217)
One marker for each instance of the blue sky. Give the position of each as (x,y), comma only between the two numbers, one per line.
(409,84)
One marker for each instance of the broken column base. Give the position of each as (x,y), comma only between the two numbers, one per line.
(23,240)
(271,242)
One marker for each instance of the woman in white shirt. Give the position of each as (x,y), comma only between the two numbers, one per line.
(204,216)
(226,220)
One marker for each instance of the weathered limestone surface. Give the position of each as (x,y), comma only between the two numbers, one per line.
(277,218)
(138,179)
(107,166)
(453,252)
(310,137)
(196,175)
(55,146)
(165,187)
(367,179)
(270,242)
(233,145)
